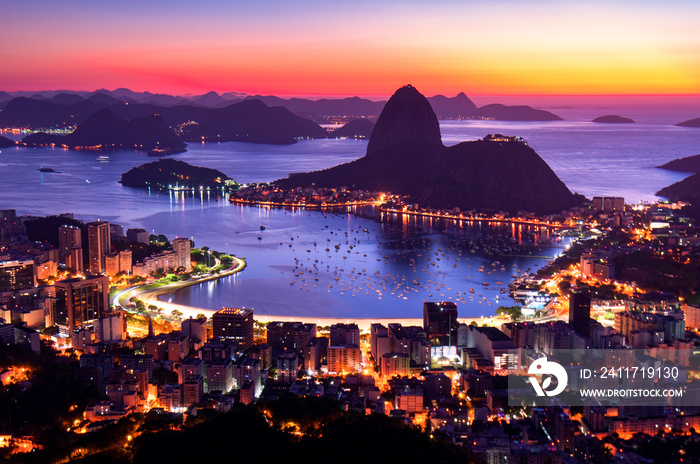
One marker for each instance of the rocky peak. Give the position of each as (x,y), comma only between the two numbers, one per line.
(406,120)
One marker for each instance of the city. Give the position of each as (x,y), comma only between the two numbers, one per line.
(444,375)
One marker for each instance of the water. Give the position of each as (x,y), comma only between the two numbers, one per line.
(391,268)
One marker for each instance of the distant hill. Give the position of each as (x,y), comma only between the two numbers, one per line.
(687,164)
(613,119)
(168,172)
(459,106)
(515,113)
(104,131)
(248,121)
(690,123)
(5,142)
(357,128)
(405,155)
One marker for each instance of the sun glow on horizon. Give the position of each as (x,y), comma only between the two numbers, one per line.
(510,48)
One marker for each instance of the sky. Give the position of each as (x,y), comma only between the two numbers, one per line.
(365,48)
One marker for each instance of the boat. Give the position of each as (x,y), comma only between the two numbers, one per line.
(262,227)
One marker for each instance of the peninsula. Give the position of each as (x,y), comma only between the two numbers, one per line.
(405,156)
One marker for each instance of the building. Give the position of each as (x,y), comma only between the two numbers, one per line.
(580,312)
(69,237)
(440,322)
(99,246)
(344,359)
(79,302)
(692,316)
(289,335)
(16,275)
(379,341)
(609,204)
(235,324)
(125,262)
(395,364)
(220,376)
(345,334)
(112,265)
(75,260)
(196,330)
(182,248)
(137,236)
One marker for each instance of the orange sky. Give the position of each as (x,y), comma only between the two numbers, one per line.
(357,48)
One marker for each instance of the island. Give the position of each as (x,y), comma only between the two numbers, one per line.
(170,174)
(686,164)
(690,123)
(405,156)
(613,119)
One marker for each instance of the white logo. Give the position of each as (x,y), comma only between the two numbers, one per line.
(542,367)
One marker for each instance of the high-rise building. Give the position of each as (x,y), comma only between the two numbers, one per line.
(440,321)
(69,237)
(580,312)
(79,302)
(16,275)
(112,265)
(234,324)
(75,259)
(99,245)
(182,248)
(125,262)
(345,334)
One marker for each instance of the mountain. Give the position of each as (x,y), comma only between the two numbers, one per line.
(246,121)
(407,120)
(350,107)
(612,119)
(104,131)
(27,112)
(66,98)
(405,156)
(452,108)
(687,164)
(168,172)
(515,113)
(357,128)
(208,99)
(6,143)
(690,123)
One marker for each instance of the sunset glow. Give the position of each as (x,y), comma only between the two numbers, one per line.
(358,48)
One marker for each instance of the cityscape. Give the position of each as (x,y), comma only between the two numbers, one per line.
(207,263)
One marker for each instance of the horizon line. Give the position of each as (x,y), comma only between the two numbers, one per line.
(368,96)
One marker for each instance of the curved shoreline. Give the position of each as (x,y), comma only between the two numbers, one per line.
(151,295)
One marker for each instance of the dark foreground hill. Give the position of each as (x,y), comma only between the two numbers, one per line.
(167,173)
(405,156)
